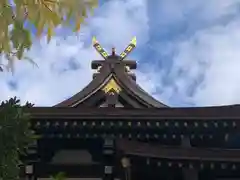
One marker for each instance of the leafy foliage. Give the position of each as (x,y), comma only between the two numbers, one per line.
(59,176)
(15,39)
(15,136)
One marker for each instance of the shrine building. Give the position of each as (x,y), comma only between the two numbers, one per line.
(113,129)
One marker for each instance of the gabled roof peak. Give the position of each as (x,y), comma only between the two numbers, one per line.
(113,61)
(113,83)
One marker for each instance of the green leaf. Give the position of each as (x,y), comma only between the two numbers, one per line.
(50,32)
(20,53)
(42,14)
(15,137)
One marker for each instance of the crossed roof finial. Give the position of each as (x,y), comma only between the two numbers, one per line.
(123,55)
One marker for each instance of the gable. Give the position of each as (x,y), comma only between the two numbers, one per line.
(113,83)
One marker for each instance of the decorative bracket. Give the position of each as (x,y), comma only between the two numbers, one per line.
(129,48)
(99,48)
(123,55)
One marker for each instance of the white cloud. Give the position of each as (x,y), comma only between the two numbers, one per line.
(46,85)
(174,11)
(214,54)
(205,63)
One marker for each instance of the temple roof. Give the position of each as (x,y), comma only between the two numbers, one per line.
(113,81)
(225,113)
(140,149)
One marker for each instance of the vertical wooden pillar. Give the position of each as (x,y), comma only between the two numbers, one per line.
(188,174)
(29,172)
(108,158)
(30,167)
(109,144)
(126,164)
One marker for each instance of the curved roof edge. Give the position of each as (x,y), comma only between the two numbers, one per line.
(116,69)
(130,85)
(86,92)
(210,113)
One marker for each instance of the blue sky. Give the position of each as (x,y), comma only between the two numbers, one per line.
(188,53)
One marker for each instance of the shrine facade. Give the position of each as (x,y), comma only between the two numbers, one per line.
(113,129)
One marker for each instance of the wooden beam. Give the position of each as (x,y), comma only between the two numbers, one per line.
(131,63)
(177,153)
(207,113)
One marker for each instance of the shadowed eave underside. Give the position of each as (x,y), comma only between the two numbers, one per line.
(226,113)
